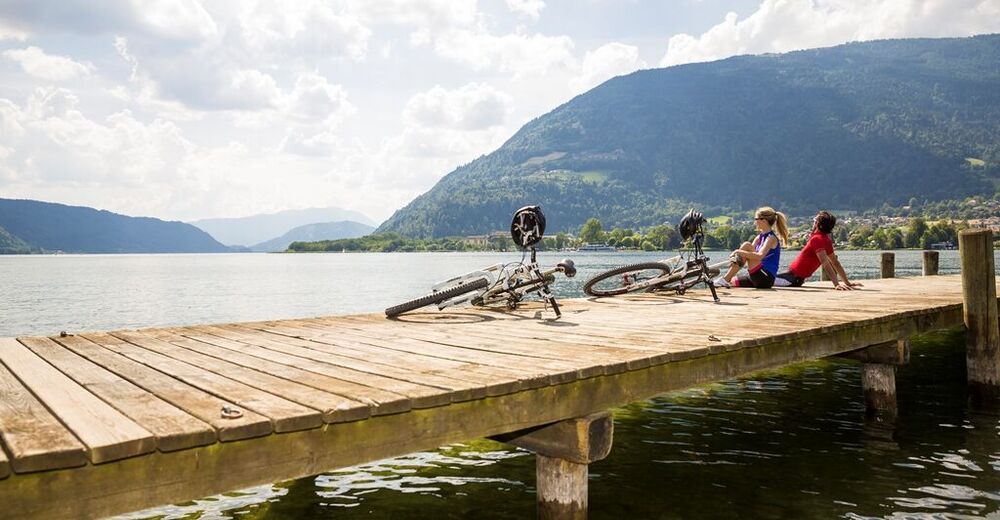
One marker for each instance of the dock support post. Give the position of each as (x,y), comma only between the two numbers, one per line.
(878,380)
(930,263)
(878,376)
(563,452)
(979,297)
(888,264)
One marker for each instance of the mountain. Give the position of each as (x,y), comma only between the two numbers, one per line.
(314,232)
(258,228)
(12,245)
(850,127)
(75,229)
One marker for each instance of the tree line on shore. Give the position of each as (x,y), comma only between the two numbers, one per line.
(853,234)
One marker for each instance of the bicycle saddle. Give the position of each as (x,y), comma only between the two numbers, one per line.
(569,269)
(527,226)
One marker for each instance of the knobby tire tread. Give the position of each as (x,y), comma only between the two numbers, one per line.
(589,286)
(435,298)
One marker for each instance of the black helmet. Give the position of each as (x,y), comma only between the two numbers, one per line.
(528,226)
(691,224)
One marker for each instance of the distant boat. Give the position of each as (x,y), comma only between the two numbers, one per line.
(596,247)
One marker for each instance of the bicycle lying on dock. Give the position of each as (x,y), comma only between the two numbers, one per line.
(506,284)
(677,274)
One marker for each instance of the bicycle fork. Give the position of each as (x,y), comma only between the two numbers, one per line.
(711,285)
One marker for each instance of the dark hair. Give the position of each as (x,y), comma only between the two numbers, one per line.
(825,222)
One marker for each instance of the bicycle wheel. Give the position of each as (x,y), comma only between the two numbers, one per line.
(436,297)
(687,280)
(621,280)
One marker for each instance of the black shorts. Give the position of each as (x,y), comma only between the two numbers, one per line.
(793,281)
(759,279)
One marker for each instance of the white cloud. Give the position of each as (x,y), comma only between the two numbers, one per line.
(531,8)
(48,67)
(609,60)
(475,106)
(518,53)
(314,100)
(168,19)
(785,25)
(311,28)
(8,32)
(430,14)
(177,19)
(56,144)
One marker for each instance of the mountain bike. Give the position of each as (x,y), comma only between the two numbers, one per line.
(677,274)
(506,284)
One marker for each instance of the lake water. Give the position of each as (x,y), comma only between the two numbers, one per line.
(783,444)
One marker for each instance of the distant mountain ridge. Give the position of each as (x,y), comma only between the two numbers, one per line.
(315,232)
(45,226)
(852,127)
(246,231)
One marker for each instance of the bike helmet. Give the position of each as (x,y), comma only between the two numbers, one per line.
(691,224)
(528,226)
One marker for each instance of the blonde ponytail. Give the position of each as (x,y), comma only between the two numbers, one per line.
(782,225)
(776,219)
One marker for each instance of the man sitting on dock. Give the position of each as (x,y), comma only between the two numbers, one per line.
(817,252)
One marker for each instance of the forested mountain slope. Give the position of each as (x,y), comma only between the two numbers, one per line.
(847,127)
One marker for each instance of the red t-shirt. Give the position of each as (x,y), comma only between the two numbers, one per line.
(808,261)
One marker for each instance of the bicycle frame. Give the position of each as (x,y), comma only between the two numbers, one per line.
(507,285)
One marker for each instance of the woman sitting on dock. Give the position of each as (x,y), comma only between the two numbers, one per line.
(762,256)
(817,252)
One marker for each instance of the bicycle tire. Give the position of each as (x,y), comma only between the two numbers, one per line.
(436,297)
(591,289)
(688,279)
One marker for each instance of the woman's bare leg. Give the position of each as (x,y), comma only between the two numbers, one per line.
(735,268)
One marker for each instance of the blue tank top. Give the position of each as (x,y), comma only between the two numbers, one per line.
(770,261)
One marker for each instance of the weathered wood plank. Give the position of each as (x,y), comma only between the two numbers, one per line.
(496,380)
(334,408)
(307,371)
(202,405)
(557,344)
(106,432)
(36,440)
(526,352)
(420,396)
(392,337)
(399,380)
(173,428)
(284,415)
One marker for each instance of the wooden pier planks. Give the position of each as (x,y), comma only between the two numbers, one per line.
(284,415)
(203,405)
(34,438)
(173,428)
(533,370)
(333,407)
(107,433)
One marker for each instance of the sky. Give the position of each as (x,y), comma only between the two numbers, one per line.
(189,109)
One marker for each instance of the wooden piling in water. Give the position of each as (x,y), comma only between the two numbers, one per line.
(879,383)
(878,375)
(888,264)
(980,308)
(563,452)
(930,263)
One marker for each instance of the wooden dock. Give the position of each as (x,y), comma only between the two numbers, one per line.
(93,424)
